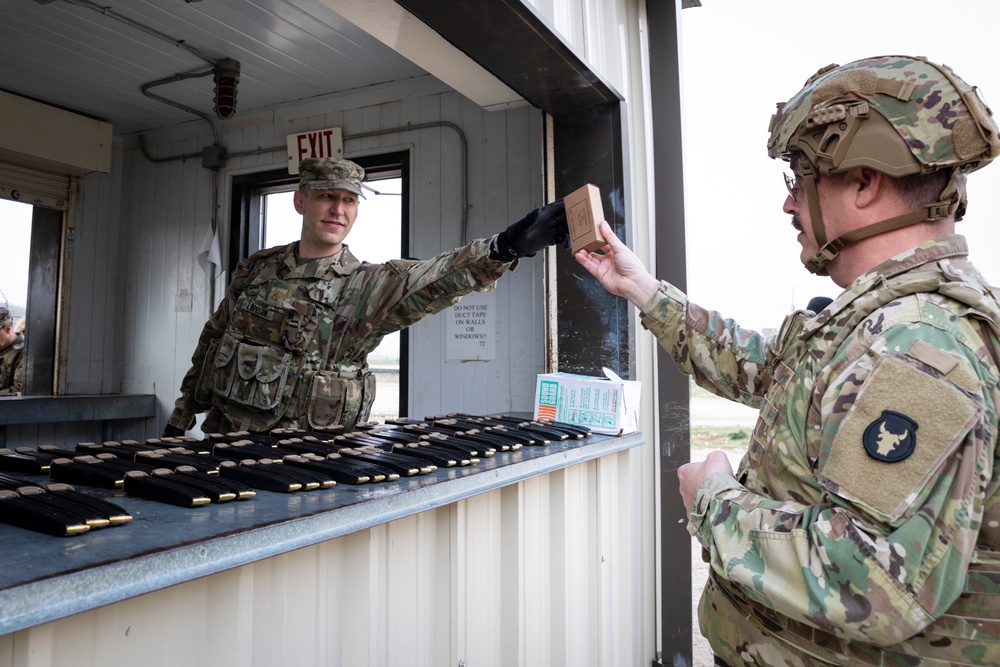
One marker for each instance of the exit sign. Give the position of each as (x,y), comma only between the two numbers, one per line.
(314,143)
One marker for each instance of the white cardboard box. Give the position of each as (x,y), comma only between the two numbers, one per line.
(607,404)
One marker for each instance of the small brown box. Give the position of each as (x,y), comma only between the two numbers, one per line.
(583,214)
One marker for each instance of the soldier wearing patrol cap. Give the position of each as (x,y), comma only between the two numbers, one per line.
(288,345)
(11,355)
(863,525)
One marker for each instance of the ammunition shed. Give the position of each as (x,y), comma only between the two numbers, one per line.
(144,198)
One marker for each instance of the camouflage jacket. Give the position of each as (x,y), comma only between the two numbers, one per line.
(288,345)
(863,525)
(12,368)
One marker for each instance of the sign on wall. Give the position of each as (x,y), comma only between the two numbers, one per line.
(471,328)
(328,142)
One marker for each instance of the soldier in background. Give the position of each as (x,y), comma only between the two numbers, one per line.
(862,526)
(11,356)
(288,345)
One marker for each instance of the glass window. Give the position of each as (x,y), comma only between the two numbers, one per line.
(15,251)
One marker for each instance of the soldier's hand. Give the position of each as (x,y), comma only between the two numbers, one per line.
(542,227)
(171,431)
(619,270)
(691,475)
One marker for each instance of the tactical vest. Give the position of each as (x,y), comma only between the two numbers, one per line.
(272,366)
(969,632)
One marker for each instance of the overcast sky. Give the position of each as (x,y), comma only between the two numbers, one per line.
(739,59)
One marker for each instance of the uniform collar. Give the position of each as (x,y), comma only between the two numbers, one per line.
(341,263)
(944,247)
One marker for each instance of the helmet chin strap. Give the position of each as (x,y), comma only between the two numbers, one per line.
(828,250)
(817,263)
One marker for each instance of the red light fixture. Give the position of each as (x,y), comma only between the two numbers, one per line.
(227,76)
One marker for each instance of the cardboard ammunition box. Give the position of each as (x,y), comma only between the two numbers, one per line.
(583,214)
(607,404)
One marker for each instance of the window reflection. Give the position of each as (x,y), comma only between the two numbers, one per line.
(15,223)
(15,252)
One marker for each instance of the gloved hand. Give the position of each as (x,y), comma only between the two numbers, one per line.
(542,227)
(171,431)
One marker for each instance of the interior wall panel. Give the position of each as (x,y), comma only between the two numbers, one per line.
(142,254)
(141,294)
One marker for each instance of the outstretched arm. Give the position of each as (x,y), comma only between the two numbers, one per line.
(619,270)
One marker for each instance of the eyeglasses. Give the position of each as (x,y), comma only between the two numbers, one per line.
(792,183)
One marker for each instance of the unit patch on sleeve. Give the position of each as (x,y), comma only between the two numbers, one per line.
(891,437)
(904,424)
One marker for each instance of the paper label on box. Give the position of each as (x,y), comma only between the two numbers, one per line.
(590,406)
(548,399)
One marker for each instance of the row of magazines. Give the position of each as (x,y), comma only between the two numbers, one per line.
(39,487)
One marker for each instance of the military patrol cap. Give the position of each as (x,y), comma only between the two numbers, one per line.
(325,173)
(5,317)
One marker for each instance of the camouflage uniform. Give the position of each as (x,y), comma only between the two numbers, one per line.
(11,367)
(863,525)
(288,346)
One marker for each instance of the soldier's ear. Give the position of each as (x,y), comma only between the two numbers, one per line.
(868,185)
(299,202)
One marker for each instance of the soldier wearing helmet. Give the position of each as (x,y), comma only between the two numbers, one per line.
(904,118)
(863,524)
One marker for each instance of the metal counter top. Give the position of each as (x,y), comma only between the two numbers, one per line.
(44,578)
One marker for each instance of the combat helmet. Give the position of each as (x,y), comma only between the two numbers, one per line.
(900,115)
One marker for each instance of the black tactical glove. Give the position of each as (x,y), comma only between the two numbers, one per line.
(542,227)
(171,431)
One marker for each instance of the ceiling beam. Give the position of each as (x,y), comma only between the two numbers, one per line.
(398,29)
(503,36)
